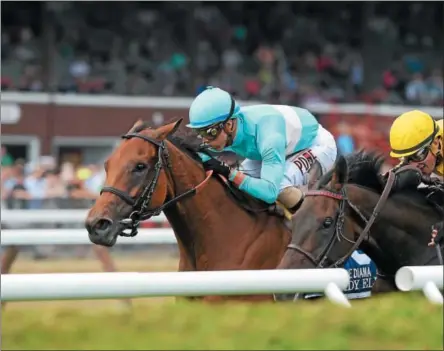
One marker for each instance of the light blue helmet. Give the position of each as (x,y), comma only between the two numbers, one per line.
(211,106)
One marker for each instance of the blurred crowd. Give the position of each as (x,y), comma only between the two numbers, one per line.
(47,186)
(289,53)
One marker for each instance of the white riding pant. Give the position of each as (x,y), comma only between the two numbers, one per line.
(299,165)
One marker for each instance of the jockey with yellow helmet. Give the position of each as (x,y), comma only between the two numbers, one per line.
(416,138)
(283,146)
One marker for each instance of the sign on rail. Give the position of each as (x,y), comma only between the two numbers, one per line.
(66,286)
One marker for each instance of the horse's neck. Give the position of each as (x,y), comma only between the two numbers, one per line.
(400,233)
(210,225)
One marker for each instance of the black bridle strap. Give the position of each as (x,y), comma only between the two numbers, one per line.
(119,193)
(125,196)
(380,204)
(140,203)
(160,144)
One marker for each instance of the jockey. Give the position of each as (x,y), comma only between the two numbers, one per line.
(417,140)
(284,147)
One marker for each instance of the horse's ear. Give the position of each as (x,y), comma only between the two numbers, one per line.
(340,173)
(168,129)
(138,123)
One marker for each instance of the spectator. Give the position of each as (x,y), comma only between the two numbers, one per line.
(434,87)
(80,68)
(35,185)
(7,159)
(357,74)
(54,187)
(344,140)
(416,90)
(95,180)
(16,191)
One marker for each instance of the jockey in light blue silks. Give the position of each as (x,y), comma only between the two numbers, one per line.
(284,147)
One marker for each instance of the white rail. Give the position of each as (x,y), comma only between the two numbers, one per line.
(429,279)
(21,237)
(68,286)
(53,216)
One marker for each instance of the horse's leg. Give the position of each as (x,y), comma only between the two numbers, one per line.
(8,259)
(185,265)
(383,285)
(105,259)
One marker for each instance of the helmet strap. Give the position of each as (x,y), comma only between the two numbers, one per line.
(439,155)
(230,134)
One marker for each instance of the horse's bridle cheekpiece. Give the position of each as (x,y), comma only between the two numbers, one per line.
(339,225)
(140,203)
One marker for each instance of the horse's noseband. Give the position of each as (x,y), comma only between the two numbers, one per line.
(337,229)
(140,204)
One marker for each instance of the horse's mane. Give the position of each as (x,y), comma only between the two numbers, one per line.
(192,146)
(185,142)
(364,169)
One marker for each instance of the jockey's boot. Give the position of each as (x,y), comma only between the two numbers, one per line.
(292,198)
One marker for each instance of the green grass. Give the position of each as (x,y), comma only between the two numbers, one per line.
(402,321)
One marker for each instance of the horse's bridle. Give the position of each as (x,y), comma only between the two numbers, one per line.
(338,233)
(140,203)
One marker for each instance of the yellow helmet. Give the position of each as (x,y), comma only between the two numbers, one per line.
(440,166)
(440,124)
(410,132)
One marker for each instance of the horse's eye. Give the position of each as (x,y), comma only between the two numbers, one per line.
(327,222)
(140,167)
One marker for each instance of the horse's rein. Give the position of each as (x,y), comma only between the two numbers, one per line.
(141,202)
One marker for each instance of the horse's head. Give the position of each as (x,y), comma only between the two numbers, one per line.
(322,233)
(136,184)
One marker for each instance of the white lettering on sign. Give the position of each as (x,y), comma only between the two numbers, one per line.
(360,278)
(10,113)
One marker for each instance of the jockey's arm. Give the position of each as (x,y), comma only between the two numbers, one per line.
(271,144)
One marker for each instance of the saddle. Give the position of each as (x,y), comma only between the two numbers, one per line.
(253,205)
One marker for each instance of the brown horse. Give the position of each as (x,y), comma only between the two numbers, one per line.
(216,226)
(345,213)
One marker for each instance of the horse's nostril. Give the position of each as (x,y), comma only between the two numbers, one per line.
(103,225)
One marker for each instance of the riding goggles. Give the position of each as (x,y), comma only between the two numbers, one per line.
(211,132)
(419,155)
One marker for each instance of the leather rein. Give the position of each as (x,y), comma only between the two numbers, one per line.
(141,203)
(338,233)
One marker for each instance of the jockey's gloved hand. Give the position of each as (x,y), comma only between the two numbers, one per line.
(408,178)
(217,167)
